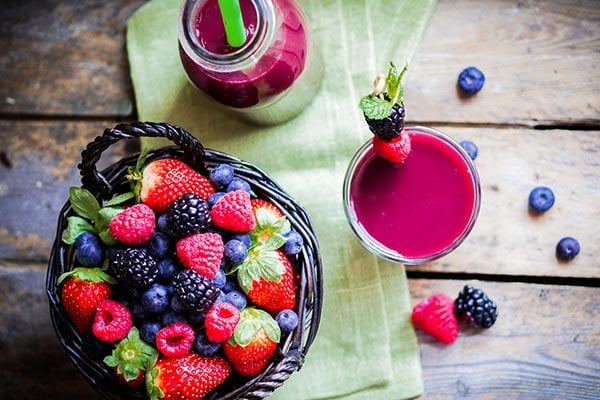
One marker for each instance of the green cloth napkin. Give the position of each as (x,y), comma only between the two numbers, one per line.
(365,348)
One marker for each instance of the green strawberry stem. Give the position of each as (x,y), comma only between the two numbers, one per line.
(131,355)
(252,320)
(88,275)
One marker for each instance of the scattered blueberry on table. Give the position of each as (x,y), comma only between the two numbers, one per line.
(541,199)
(470,148)
(567,248)
(471,80)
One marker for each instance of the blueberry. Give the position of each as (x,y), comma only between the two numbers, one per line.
(242,237)
(148,330)
(159,245)
(287,320)
(470,148)
(541,199)
(156,299)
(235,251)
(236,298)
(95,348)
(238,184)
(170,317)
(161,223)
(222,174)
(134,292)
(471,80)
(220,279)
(139,312)
(230,285)
(567,248)
(212,200)
(176,305)
(167,269)
(205,347)
(196,318)
(90,252)
(293,244)
(220,299)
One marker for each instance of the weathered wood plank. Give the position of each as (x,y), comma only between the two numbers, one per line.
(40,163)
(65,58)
(540,59)
(33,364)
(544,345)
(507,238)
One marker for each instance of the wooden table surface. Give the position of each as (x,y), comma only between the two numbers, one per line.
(64,78)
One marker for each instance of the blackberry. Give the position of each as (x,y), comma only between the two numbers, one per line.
(194,291)
(133,267)
(388,128)
(473,305)
(189,214)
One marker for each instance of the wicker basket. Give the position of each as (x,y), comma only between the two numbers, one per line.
(104,184)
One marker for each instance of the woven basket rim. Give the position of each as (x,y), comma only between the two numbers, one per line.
(103,184)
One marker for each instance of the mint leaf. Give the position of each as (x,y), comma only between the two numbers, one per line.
(394,82)
(374,107)
(84,203)
(120,199)
(75,227)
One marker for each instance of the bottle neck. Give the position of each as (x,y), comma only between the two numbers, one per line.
(237,59)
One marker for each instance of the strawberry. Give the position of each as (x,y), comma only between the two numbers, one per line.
(267,278)
(130,359)
(270,221)
(165,180)
(395,151)
(112,321)
(202,253)
(83,289)
(233,212)
(190,377)
(253,343)
(435,316)
(134,225)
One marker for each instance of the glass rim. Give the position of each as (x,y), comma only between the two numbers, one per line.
(376,247)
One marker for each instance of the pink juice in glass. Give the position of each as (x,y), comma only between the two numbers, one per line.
(417,211)
(277,62)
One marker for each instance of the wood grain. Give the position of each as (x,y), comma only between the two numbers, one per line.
(507,238)
(540,59)
(40,165)
(539,348)
(65,57)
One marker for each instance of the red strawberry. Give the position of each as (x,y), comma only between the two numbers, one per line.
(272,209)
(166,179)
(233,212)
(202,253)
(270,221)
(254,342)
(220,322)
(267,278)
(130,359)
(190,377)
(112,321)
(435,316)
(395,151)
(175,340)
(134,225)
(83,289)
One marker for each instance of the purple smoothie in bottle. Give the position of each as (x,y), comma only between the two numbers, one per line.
(276,57)
(416,211)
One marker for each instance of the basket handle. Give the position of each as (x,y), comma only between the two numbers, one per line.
(94,181)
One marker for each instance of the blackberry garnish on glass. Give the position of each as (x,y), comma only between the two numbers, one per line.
(383,110)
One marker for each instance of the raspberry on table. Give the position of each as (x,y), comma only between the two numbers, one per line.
(435,316)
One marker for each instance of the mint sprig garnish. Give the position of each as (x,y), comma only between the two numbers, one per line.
(387,91)
(91,216)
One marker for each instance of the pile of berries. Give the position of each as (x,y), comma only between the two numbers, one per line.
(182,282)
(439,315)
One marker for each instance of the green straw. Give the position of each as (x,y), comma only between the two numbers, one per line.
(234,24)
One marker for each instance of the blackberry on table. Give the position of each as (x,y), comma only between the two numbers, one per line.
(189,214)
(194,291)
(473,306)
(133,266)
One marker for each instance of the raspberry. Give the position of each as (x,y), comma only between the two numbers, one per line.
(221,321)
(435,316)
(175,340)
(112,321)
(395,151)
(234,212)
(202,253)
(134,225)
